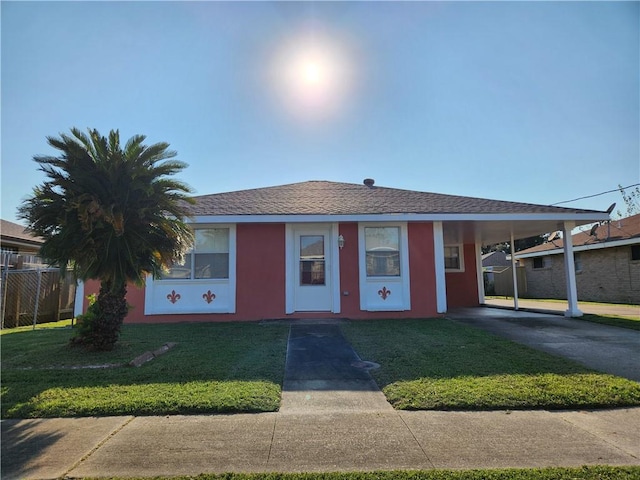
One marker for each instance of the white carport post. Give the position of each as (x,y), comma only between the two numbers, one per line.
(570,272)
(479,272)
(441,281)
(514,273)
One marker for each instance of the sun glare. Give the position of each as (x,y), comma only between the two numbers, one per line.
(312,73)
(312,77)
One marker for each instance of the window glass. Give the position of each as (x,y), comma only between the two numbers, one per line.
(538,262)
(180,269)
(312,265)
(211,265)
(635,252)
(209,256)
(452,257)
(577,262)
(382,246)
(212,240)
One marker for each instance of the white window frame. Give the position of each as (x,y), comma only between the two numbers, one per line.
(191,289)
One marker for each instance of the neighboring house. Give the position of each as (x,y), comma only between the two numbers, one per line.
(332,249)
(496,267)
(495,259)
(30,291)
(14,239)
(606,259)
(18,247)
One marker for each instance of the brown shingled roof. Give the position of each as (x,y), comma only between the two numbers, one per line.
(615,230)
(15,231)
(333,198)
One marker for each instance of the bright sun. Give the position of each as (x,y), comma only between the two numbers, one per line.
(312,77)
(312,73)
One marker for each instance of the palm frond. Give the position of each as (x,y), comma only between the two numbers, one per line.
(113,213)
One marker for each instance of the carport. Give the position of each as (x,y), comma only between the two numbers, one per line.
(511,227)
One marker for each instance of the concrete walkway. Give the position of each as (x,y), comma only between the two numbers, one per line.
(327,423)
(323,374)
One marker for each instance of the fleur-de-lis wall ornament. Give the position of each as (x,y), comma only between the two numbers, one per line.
(209,296)
(173,297)
(384,293)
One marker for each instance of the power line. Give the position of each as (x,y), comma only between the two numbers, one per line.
(596,195)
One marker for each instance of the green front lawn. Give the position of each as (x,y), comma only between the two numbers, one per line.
(214,368)
(613,320)
(239,367)
(436,364)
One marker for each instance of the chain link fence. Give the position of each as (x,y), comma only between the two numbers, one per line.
(36,294)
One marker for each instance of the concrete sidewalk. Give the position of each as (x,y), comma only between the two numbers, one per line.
(333,417)
(316,442)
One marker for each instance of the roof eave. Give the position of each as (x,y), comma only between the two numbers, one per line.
(579,218)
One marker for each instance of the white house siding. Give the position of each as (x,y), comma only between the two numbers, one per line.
(606,275)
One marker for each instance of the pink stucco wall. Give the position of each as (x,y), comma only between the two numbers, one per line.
(260,287)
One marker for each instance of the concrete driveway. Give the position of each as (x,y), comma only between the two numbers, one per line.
(607,349)
(549,306)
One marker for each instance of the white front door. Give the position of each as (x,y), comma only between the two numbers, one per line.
(312,269)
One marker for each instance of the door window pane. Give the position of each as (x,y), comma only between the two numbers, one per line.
(312,261)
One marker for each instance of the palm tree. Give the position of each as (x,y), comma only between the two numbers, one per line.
(109,213)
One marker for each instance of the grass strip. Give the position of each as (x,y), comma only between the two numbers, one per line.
(596,472)
(614,321)
(437,364)
(150,399)
(514,392)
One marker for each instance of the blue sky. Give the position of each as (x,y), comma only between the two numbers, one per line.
(533,102)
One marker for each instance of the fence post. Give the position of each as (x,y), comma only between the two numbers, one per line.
(5,279)
(57,317)
(35,313)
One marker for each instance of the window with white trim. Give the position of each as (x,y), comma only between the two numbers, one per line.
(453,258)
(208,259)
(382,251)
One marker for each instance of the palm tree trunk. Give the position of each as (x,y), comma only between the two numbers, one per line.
(112,308)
